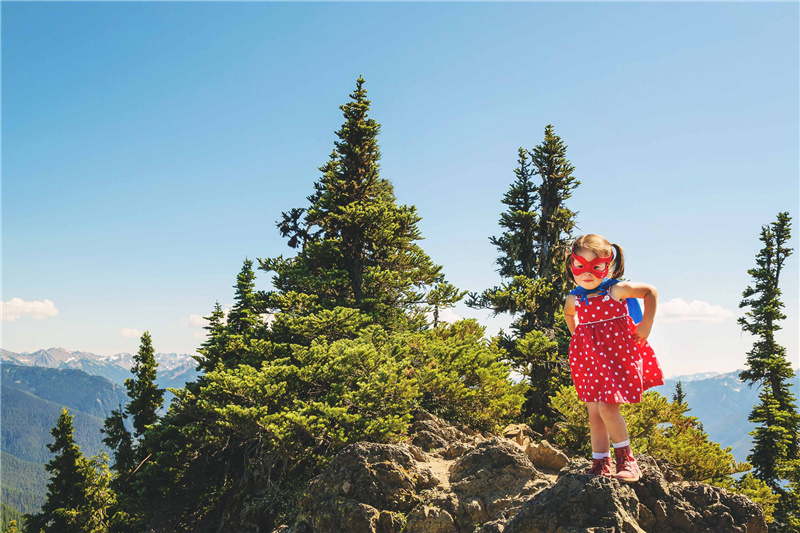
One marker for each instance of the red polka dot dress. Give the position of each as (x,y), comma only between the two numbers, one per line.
(606,364)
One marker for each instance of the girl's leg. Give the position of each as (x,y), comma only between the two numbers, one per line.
(597,428)
(613,421)
(601,464)
(627,468)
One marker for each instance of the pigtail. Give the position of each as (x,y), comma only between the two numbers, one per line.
(619,262)
(568,260)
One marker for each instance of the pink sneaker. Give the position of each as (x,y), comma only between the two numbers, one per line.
(627,468)
(601,467)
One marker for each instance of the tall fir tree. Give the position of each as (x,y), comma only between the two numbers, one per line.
(146,397)
(538,228)
(556,223)
(775,439)
(120,441)
(443,295)
(347,358)
(212,351)
(357,246)
(78,494)
(244,315)
(132,450)
(680,397)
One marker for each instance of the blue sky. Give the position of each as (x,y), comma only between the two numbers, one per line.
(148,148)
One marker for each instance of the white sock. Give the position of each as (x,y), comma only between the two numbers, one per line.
(600,455)
(622,444)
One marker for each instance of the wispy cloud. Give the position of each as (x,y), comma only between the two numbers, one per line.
(678,310)
(445,315)
(17,307)
(194,321)
(130,332)
(197,323)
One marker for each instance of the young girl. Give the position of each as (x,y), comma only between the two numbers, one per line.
(609,357)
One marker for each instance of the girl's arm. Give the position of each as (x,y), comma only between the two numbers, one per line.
(569,314)
(627,289)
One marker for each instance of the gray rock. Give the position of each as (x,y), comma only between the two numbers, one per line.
(544,455)
(491,478)
(492,486)
(362,483)
(579,501)
(521,433)
(427,519)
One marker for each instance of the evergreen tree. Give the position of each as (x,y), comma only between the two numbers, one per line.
(213,348)
(131,451)
(444,295)
(283,421)
(679,397)
(790,471)
(770,439)
(120,440)
(244,315)
(538,228)
(556,223)
(146,397)
(77,494)
(357,246)
(775,452)
(348,357)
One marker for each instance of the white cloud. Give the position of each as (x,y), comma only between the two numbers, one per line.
(130,332)
(199,321)
(445,315)
(17,307)
(194,321)
(678,310)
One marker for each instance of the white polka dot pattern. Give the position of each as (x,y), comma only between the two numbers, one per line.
(597,354)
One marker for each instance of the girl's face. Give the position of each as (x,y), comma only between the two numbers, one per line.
(586,279)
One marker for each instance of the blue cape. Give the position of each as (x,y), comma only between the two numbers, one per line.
(633,304)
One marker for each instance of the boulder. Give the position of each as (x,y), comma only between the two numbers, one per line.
(490,478)
(544,455)
(436,430)
(576,501)
(520,433)
(581,502)
(363,488)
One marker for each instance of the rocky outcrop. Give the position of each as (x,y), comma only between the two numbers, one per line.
(450,479)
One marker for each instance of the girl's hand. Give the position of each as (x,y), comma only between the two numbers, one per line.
(641,332)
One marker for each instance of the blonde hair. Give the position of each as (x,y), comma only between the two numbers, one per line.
(600,246)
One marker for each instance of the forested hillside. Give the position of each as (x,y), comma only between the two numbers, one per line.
(30,402)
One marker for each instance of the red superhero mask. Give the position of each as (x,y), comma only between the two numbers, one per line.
(588,266)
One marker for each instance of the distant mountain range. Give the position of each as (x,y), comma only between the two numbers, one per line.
(722,403)
(35,386)
(174,370)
